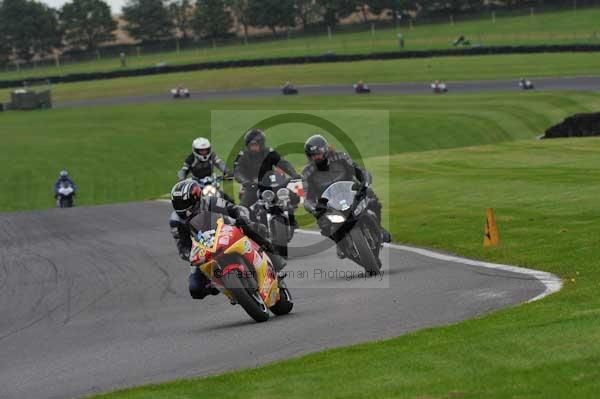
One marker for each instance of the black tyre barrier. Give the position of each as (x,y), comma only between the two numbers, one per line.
(578,125)
(326,58)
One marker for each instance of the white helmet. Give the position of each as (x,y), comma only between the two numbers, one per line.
(201,149)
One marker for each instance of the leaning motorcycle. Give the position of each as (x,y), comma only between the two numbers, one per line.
(64,196)
(275,209)
(238,267)
(347,219)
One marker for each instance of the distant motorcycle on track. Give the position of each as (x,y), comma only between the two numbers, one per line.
(439,87)
(65,196)
(526,84)
(361,88)
(289,89)
(180,92)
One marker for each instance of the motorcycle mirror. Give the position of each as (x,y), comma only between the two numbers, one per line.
(323,201)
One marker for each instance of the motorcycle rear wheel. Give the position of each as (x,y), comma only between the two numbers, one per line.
(284,305)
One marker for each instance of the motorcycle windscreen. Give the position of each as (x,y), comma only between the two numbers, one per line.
(340,195)
(205,222)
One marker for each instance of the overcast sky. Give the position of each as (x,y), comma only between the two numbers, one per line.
(115,5)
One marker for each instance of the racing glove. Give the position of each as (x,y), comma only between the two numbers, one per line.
(184,254)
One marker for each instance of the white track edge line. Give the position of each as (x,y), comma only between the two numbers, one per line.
(552,282)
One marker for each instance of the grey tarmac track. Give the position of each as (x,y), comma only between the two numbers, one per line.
(95,298)
(567,83)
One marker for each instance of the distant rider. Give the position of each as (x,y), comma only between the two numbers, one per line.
(63,179)
(187,201)
(325,167)
(254,161)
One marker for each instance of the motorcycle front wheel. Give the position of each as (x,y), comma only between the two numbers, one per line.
(251,302)
(279,235)
(366,257)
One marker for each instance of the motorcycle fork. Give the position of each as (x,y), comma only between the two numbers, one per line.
(269,218)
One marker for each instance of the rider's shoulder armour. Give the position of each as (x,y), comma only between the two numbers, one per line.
(308,170)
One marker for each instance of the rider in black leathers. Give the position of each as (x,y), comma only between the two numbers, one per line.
(187,201)
(254,161)
(326,167)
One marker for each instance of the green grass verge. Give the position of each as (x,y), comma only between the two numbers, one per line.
(409,70)
(561,27)
(133,152)
(450,160)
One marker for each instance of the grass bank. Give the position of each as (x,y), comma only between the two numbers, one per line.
(133,152)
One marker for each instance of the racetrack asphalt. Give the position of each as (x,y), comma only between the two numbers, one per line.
(95,298)
(567,83)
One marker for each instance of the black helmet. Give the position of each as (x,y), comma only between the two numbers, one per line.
(255,136)
(316,145)
(184,196)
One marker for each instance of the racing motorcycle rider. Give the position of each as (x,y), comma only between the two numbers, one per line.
(325,167)
(202,161)
(63,177)
(187,201)
(254,161)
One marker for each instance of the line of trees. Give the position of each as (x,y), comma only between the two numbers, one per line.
(29,28)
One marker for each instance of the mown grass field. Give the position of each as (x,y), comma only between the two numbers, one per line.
(450,158)
(133,152)
(409,70)
(557,27)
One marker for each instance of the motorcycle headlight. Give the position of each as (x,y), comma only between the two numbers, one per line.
(268,195)
(283,194)
(336,218)
(209,191)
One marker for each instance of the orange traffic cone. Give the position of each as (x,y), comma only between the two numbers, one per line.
(491,237)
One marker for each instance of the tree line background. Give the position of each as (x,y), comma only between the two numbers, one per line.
(30,29)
